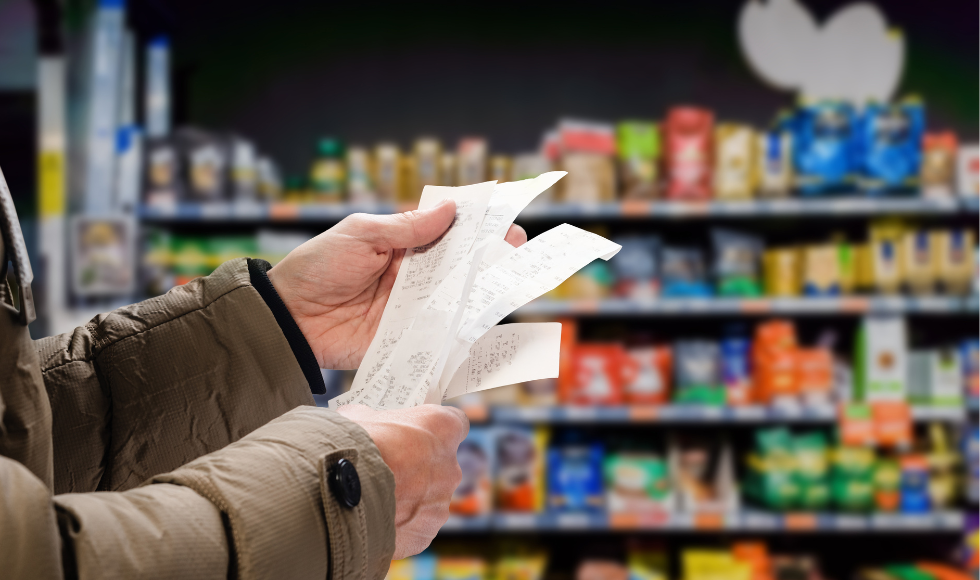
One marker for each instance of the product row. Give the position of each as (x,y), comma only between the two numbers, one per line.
(816,149)
(766,365)
(649,560)
(515,469)
(896,258)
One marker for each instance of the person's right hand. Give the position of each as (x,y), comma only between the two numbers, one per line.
(419,445)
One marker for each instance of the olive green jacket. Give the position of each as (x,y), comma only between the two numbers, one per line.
(175,438)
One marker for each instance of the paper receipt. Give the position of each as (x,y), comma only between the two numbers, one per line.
(438,336)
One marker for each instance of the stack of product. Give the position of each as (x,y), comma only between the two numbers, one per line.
(818,149)
(896,258)
(802,472)
(192,165)
(530,470)
(645,560)
(770,369)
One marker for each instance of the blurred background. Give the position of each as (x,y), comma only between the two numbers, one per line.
(777,377)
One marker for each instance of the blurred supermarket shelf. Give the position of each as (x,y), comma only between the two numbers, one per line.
(763,306)
(744,521)
(694,414)
(322,213)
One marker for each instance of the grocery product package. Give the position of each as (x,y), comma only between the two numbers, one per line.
(688,153)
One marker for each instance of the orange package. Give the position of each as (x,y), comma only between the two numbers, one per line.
(597,377)
(648,371)
(756,555)
(814,373)
(774,360)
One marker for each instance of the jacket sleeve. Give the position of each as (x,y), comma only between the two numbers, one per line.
(149,387)
(259,508)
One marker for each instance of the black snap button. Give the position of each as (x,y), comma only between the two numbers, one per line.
(345,484)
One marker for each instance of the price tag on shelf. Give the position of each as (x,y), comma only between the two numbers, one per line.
(642,413)
(853,305)
(573,521)
(856,424)
(709,521)
(758,306)
(800,522)
(283,211)
(846,522)
(635,207)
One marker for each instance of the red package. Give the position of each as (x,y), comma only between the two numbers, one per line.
(648,382)
(687,136)
(598,376)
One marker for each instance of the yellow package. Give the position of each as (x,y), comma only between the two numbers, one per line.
(387,172)
(886,255)
(847,267)
(734,176)
(447,169)
(500,168)
(821,270)
(920,262)
(409,177)
(521,567)
(864,278)
(713,565)
(955,260)
(428,153)
(461,568)
(781,272)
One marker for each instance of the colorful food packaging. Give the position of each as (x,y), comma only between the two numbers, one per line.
(162,182)
(736,372)
(428,154)
(957,259)
(598,375)
(682,273)
(636,267)
(500,169)
(649,381)
(591,178)
(638,150)
(774,361)
(420,567)
(914,486)
(636,482)
(575,478)
(520,458)
(847,267)
(935,377)
(881,359)
(734,158)
(815,375)
(781,272)
(646,561)
(968,170)
(919,262)
(774,163)
(890,142)
(852,478)
(713,565)
(821,270)
(811,460)
(970,357)
(736,266)
(387,172)
(697,373)
(823,147)
(944,467)
(328,174)
(461,568)
(206,163)
(887,255)
(471,161)
(448,171)
(474,495)
(521,566)
(359,186)
(887,478)
(243,171)
(938,164)
(687,136)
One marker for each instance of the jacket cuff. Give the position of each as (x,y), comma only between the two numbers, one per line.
(258,272)
(286,533)
(163,531)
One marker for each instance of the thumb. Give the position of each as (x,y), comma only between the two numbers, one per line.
(413,228)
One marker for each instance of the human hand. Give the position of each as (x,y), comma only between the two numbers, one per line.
(337,284)
(419,446)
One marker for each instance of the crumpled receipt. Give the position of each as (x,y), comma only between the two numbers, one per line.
(439,337)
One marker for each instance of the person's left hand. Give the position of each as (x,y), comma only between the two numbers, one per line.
(337,284)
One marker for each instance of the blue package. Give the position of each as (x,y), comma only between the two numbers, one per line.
(575,478)
(824,155)
(682,273)
(636,267)
(889,147)
(735,370)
